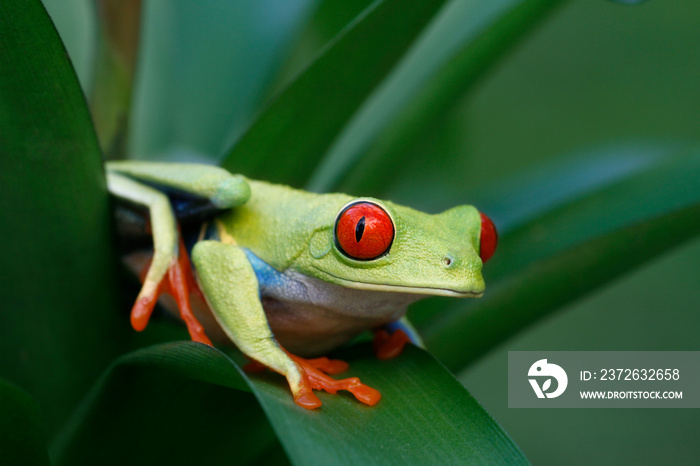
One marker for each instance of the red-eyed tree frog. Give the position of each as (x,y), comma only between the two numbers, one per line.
(286,274)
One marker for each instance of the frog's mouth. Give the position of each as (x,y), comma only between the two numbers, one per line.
(421,290)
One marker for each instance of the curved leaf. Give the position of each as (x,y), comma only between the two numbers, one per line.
(204,68)
(57,261)
(572,251)
(161,386)
(21,428)
(425,417)
(463,43)
(168,404)
(525,197)
(75,22)
(291,135)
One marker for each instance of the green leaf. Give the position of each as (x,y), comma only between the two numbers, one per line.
(204,68)
(534,192)
(75,21)
(425,417)
(21,429)
(176,403)
(570,251)
(162,386)
(463,43)
(328,19)
(291,135)
(57,265)
(115,64)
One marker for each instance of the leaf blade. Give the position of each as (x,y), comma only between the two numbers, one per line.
(54,220)
(341,431)
(21,430)
(460,46)
(422,405)
(571,251)
(204,69)
(358,59)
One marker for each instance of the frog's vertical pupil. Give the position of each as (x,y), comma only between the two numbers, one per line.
(360,229)
(363,231)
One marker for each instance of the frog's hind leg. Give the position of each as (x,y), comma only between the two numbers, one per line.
(170,265)
(390,339)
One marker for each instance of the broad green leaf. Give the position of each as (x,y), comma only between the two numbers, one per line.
(21,428)
(173,386)
(564,254)
(425,417)
(75,21)
(658,189)
(465,41)
(524,197)
(515,199)
(327,20)
(176,403)
(204,68)
(293,132)
(57,263)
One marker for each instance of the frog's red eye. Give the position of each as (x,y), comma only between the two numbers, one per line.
(364,231)
(489,238)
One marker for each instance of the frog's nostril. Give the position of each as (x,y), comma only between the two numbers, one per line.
(488,238)
(448,261)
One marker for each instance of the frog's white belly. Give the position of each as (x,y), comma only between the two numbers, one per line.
(309,316)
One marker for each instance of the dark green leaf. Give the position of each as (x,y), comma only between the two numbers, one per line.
(564,254)
(177,403)
(423,405)
(327,20)
(204,69)
(524,197)
(467,39)
(425,417)
(291,135)
(54,220)
(22,433)
(75,21)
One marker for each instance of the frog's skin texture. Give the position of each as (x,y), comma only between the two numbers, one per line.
(283,272)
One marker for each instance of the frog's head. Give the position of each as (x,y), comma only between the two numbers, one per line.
(376,245)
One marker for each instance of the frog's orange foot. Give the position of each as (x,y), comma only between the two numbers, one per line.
(313,370)
(387,346)
(177,282)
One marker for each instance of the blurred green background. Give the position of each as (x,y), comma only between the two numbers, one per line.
(594,74)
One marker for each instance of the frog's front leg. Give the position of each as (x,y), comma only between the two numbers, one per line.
(231,289)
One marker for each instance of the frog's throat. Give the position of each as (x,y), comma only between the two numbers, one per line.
(422,290)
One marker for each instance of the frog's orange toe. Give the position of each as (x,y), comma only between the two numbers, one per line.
(366,394)
(320,381)
(141,312)
(307,399)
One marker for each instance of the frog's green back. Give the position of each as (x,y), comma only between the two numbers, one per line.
(278,222)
